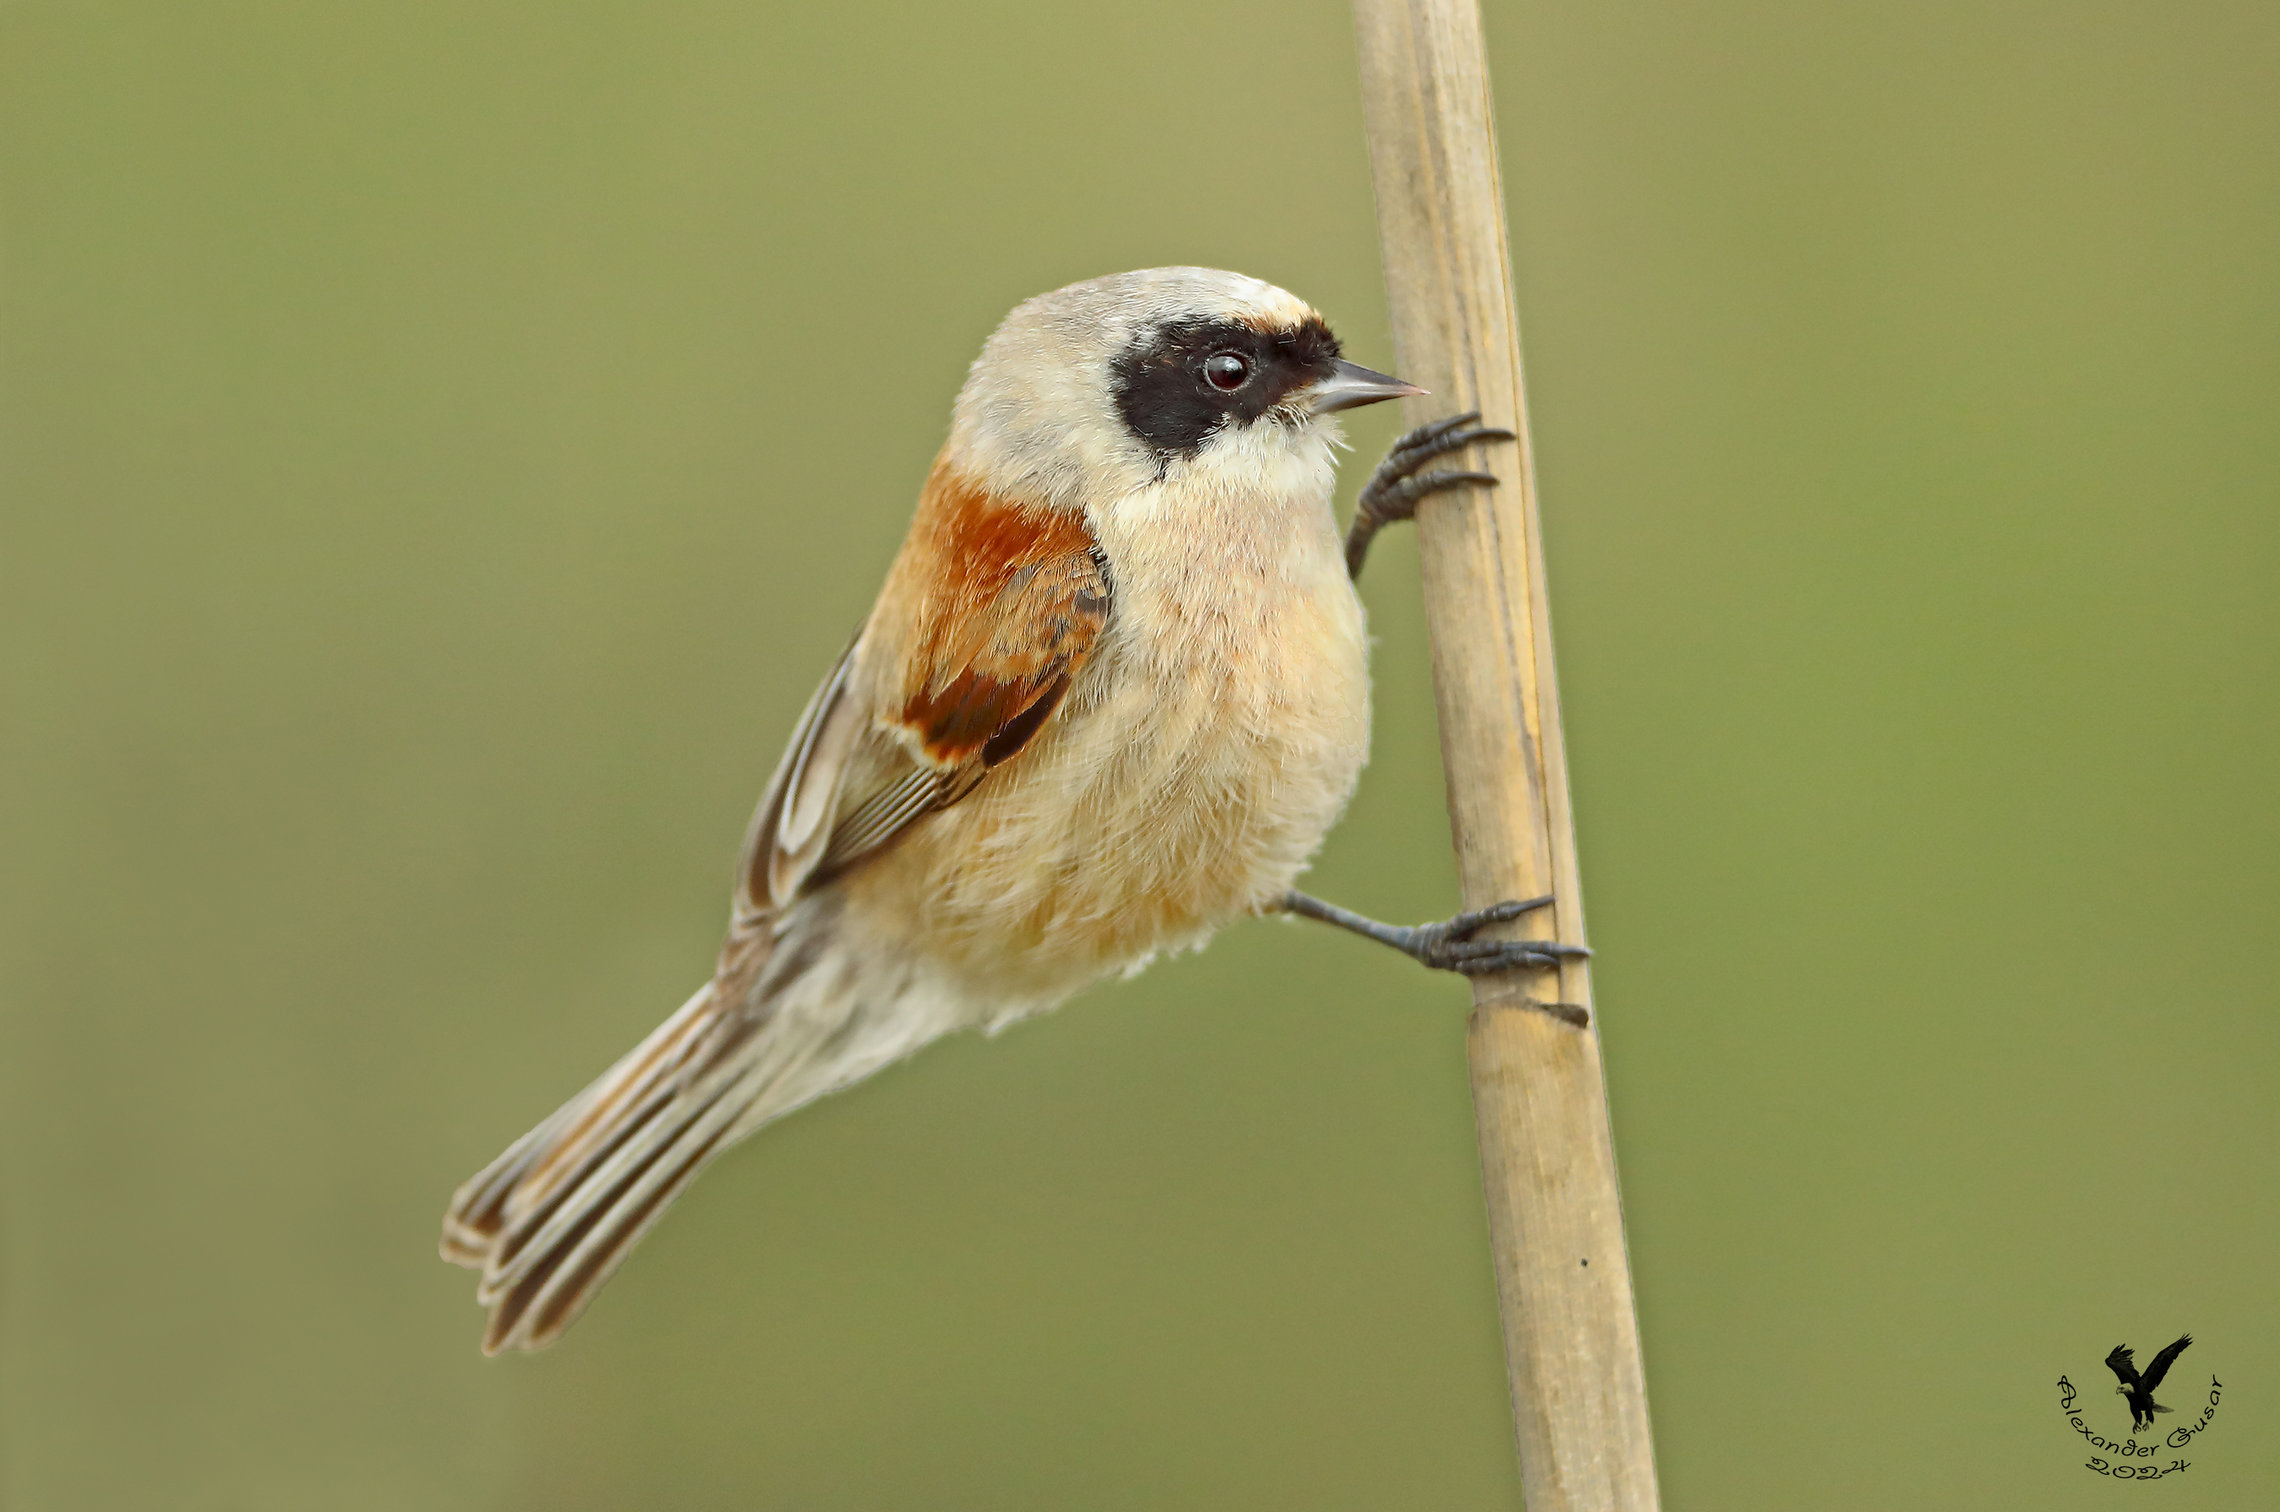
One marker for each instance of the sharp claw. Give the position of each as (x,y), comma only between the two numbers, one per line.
(1540,952)
(1439,439)
(1474,920)
(1395,489)
(1433,430)
(1449,945)
(1458,439)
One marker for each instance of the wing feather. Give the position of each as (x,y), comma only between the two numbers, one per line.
(2162,1362)
(809,795)
(989,614)
(921,790)
(769,873)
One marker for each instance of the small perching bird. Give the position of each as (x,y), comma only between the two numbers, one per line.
(2139,1388)
(1112,696)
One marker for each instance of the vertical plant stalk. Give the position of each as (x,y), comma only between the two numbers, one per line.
(1563,1277)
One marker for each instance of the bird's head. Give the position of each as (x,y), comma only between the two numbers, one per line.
(1169,375)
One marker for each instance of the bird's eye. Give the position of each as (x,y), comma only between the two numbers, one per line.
(1226,372)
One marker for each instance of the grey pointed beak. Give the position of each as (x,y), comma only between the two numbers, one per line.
(1350,385)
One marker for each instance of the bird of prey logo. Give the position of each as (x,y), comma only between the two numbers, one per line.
(2139,1388)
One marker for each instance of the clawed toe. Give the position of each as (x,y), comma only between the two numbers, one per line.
(1480,957)
(1450,946)
(1494,956)
(1472,921)
(1437,439)
(1398,498)
(1397,487)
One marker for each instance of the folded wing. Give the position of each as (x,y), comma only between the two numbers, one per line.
(989,614)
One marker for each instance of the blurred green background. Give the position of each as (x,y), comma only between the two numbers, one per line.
(444,444)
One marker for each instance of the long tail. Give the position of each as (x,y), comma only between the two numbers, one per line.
(549,1220)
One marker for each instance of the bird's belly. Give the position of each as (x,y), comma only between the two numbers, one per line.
(1186,782)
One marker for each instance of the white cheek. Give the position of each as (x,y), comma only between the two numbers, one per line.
(1260,471)
(1271,460)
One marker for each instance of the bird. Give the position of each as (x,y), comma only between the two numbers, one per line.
(2139,1388)
(1112,696)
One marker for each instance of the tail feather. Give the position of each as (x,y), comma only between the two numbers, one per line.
(477,1212)
(562,1188)
(622,1094)
(553,1276)
(483,1207)
(550,1219)
(784,1021)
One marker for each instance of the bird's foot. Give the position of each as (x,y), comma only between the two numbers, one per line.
(1397,487)
(1449,945)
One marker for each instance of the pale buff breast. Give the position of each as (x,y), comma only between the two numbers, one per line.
(1197,764)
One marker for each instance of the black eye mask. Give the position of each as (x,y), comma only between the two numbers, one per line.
(1169,401)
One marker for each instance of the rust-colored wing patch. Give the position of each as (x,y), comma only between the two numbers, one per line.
(1009,600)
(989,613)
